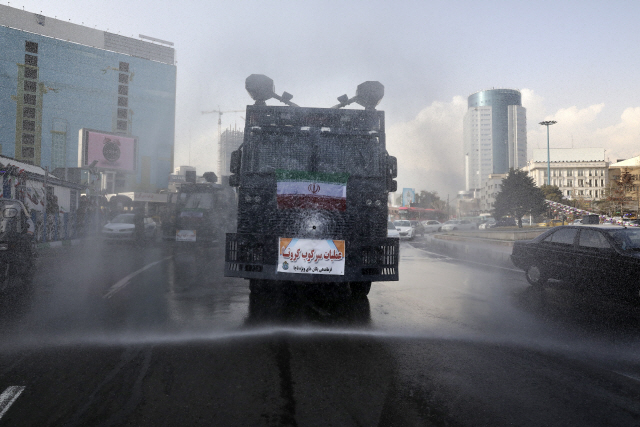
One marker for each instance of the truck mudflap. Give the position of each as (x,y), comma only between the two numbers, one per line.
(258,256)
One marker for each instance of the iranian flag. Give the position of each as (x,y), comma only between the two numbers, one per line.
(312,190)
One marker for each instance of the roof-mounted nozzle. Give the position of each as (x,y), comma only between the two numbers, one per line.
(261,89)
(368,94)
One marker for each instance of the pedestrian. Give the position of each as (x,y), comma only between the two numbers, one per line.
(138,222)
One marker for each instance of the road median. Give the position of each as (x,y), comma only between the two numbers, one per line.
(492,248)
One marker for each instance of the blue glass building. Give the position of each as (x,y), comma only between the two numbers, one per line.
(495,135)
(57,78)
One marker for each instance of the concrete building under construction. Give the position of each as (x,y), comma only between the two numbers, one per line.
(230,140)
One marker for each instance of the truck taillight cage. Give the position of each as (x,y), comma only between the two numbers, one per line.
(256,256)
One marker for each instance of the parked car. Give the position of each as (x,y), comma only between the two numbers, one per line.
(122,227)
(457,224)
(392,231)
(419,228)
(431,226)
(489,223)
(506,222)
(405,229)
(551,223)
(606,256)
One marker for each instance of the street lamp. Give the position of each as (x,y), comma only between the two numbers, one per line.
(547,124)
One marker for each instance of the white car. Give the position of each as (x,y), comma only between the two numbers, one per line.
(457,224)
(490,223)
(392,231)
(405,230)
(122,228)
(431,226)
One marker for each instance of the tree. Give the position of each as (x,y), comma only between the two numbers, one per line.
(519,196)
(552,192)
(618,194)
(427,199)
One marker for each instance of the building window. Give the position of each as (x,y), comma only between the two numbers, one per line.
(580,172)
(29,125)
(569,183)
(29,99)
(31,73)
(29,86)
(122,113)
(569,172)
(568,193)
(29,112)
(124,67)
(28,139)
(123,90)
(28,152)
(122,125)
(31,60)
(581,183)
(31,47)
(123,78)
(123,102)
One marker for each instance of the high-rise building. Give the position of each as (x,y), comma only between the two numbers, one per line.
(495,135)
(57,78)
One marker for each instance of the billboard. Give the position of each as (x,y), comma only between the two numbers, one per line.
(408,196)
(110,151)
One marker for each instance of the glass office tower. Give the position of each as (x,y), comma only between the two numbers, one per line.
(495,135)
(57,77)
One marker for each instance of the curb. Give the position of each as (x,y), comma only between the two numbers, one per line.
(57,244)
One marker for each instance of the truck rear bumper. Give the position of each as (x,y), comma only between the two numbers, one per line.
(255,256)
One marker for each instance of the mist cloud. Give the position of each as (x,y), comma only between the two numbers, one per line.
(429,147)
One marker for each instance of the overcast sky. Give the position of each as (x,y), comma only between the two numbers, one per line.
(576,62)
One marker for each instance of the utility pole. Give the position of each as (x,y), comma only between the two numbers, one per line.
(547,124)
(46,193)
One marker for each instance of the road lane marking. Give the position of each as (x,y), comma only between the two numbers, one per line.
(126,280)
(9,396)
(630,376)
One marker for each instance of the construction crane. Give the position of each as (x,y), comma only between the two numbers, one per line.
(220,113)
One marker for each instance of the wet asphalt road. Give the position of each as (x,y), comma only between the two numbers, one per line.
(120,335)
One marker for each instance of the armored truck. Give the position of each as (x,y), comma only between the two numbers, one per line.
(312,188)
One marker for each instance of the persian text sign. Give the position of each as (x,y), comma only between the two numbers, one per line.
(311,256)
(185,235)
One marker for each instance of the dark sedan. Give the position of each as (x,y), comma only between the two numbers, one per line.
(604,255)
